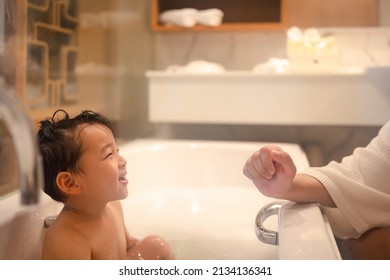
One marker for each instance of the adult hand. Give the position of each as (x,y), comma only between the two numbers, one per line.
(272,170)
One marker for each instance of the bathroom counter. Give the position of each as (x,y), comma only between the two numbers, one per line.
(245,97)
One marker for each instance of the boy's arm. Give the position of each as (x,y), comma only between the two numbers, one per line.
(150,248)
(130,241)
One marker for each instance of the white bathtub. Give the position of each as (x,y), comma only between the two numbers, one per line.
(21,228)
(193,194)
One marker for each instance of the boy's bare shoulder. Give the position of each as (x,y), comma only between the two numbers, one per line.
(71,237)
(64,242)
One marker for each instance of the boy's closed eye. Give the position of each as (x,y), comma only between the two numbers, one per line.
(109,154)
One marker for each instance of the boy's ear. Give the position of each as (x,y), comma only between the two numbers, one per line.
(67,184)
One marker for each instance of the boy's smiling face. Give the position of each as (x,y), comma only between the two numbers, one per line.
(103,170)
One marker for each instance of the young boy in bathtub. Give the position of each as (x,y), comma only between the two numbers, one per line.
(356,192)
(84,170)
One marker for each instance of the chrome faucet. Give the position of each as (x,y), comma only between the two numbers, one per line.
(14,118)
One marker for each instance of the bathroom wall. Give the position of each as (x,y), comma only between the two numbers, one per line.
(360,47)
(136,53)
(117,47)
(384,12)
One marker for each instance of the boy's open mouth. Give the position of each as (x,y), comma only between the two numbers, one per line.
(123,179)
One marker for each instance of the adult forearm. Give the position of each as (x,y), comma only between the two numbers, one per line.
(308,189)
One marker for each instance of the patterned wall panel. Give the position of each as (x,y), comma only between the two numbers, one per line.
(51,53)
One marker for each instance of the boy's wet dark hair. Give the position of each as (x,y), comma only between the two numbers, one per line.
(60,143)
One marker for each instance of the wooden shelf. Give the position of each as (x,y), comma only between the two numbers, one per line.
(238,15)
(250,15)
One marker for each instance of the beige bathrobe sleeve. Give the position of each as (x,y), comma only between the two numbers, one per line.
(360,187)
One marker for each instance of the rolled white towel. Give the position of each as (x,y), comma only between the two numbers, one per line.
(294,34)
(186,17)
(311,35)
(210,17)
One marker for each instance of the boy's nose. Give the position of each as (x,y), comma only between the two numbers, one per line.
(122,162)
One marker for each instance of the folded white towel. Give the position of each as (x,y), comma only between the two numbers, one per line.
(210,17)
(273,66)
(186,17)
(197,67)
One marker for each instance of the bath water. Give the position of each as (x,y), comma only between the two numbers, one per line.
(213,222)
